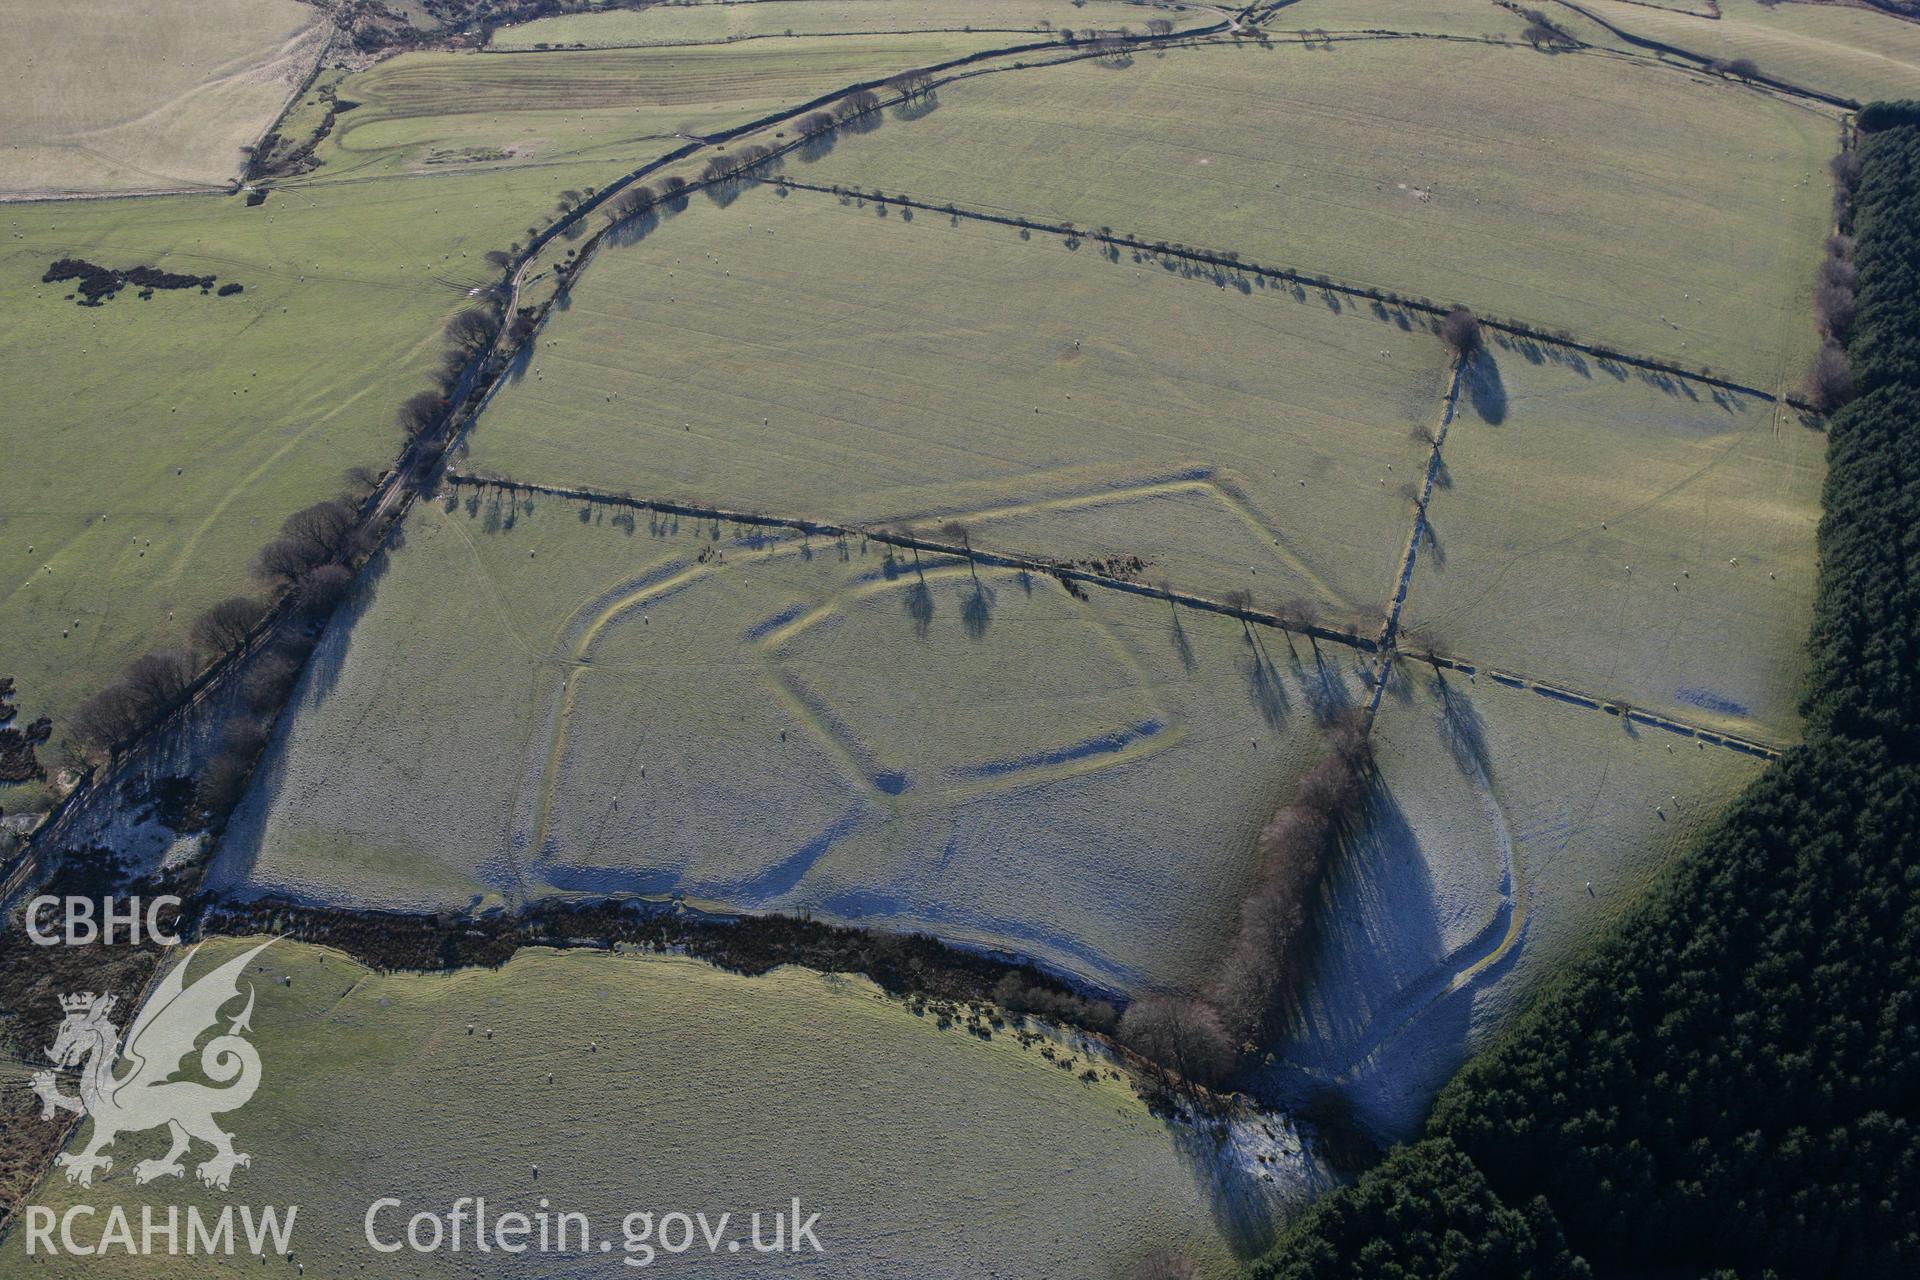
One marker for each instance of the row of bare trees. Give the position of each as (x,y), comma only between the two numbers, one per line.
(303,560)
(1203,1038)
(1830,379)
(911,85)
(735,164)
(636,201)
(1103,42)
(308,561)
(1543,32)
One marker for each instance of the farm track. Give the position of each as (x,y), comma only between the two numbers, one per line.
(768,35)
(1661,47)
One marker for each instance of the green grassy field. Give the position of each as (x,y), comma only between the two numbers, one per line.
(702,1091)
(704,23)
(1509,832)
(178,431)
(157,97)
(1560,480)
(168,438)
(1609,196)
(790,726)
(805,357)
(1699,8)
(1850,50)
(1426,17)
(434,111)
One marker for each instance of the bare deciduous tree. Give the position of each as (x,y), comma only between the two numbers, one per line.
(218,788)
(282,561)
(418,413)
(322,528)
(226,625)
(1183,1036)
(1837,270)
(1834,307)
(321,590)
(633,202)
(361,482)
(857,104)
(473,329)
(1830,380)
(911,85)
(108,717)
(223,780)
(1460,330)
(268,681)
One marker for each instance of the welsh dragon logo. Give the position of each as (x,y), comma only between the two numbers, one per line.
(126,1089)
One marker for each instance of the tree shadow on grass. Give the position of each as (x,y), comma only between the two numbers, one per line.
(1182,644)
(976,611)
(1485,389)
(816,146)
(631,231)
(1326,693)
(1243,1204)
(1266,688)
(917,107)
(1377,957)
(919,605)
(919,601)
(323,667)
(1462,730)
(1430,544)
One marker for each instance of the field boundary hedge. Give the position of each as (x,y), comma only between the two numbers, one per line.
(1704,62)
(1230,260)
(473,387)
(1063,571)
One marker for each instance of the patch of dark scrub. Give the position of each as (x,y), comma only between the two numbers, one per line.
(173,802)
(98,283)
(1125,568)
(913,966)
(17,760)
(276,156)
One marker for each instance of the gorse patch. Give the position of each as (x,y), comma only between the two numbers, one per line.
(98,283)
